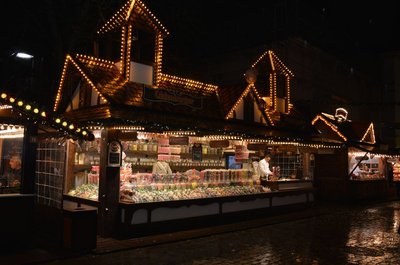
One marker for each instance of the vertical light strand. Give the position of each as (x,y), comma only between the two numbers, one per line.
(271,89)
(123,46)
(287,100)
(158,59)
(128,53)
(274,88)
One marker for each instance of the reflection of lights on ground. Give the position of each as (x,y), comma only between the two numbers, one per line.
(373,237)
(396,219)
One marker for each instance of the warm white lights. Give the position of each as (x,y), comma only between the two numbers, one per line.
(371,132)
(189,84)
(125,13)
(63,76)
(330,125)
(183,133)
(128,128)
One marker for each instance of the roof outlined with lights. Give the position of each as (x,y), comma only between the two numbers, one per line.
(332,128)
(133,10)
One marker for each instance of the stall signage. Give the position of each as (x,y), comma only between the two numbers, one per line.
(184,140)
(257,147)
(197,152)
(241,153)
(173,97)
(219,143)
(114,155)
(129,136)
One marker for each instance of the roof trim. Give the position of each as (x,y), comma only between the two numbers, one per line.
(249,88)
(123,15)
(67,62)
(276,63)
(330,125)
(371,131)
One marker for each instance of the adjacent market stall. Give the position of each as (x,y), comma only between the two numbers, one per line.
(25,176)
(357,171)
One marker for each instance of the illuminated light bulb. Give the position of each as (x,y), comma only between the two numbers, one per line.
(78,130)
(12,100)
(3,95)
(35,110)
(64,124)
(84,132)
(58,120)
(71,127)
(20,103)
(28,107)
(43,114)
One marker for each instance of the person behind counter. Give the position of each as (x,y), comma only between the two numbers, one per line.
(161,168)
(254,164)
(13,174)
(263,167)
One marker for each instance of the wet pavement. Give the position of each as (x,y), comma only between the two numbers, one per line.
(351,235)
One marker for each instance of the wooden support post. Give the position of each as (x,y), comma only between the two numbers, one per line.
(108,188)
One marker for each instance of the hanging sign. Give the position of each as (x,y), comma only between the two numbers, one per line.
(241,153)
(183,140)
(197,152)
(114,154)
(128,136)
(257,147)
(174,97)
(219,143)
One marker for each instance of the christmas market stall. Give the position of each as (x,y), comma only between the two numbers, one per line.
(171,152)
(26,178)
(357,171)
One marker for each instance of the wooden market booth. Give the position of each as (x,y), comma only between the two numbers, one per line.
(358,171)
(202,137)
(29,165)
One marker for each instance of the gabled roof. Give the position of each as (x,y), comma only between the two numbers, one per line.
(102,72)
(104,77)
(275,63)
(228,96)
(133,10)
(236,100)
(346,131)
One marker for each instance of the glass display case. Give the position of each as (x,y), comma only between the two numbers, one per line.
(192,184)
(158,167)
(84,169)
(11,141)
(396,171)
(364,166)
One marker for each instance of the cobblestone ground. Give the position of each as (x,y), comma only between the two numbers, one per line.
(363,235)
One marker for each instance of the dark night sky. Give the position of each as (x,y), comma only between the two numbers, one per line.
(349,30)
(355,32)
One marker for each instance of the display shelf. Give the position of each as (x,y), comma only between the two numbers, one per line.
(140,153)
(204,156)
(96,152)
